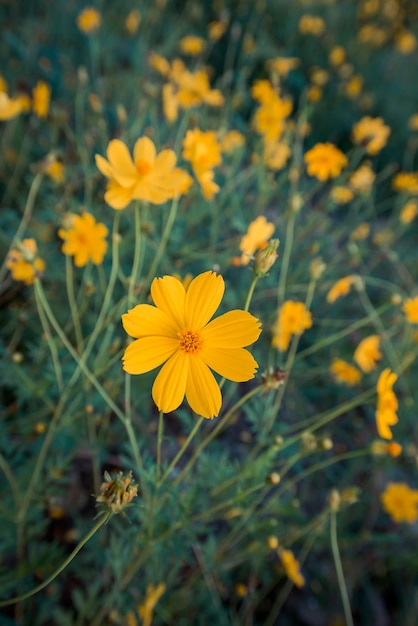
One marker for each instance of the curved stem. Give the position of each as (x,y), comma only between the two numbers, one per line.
(181,451)
(250,293)
(163,241)
(339,569)
(69,279)
(137,254)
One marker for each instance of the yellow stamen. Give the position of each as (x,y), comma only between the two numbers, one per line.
(190,342)
(142,167)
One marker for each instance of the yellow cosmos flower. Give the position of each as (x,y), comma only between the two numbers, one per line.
(371,133)
(282,65)
(292,319)
(291,567)
(276,154)
(256,238)
(340,288)
(89,20)
(341,195)
(368,353)
(410,308)
(202,149)
(337,56)
(325,161)
(148,176)
(345,372)
(177,332)
(406,182)
(9,107)
(269,119)
(23,262)
(231,141)
(217,29)
(361,181)
(401,502)
(409,212)
(311,25)
(84,239)
(387,404)
(192,45)
(41,95)
(133,20)
(361,232)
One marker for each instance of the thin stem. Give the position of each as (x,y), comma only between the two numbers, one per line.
(102,520)
(52,347)
(10,477)
(137,254)
(159,441)
(69,279)
(134,443)
(163,241)
(288,244)
(181,451)
(339,568)
(250,293)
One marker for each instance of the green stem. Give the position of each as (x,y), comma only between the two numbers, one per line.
(137,254)
(163,241)
(288,244)
(339,568)
(181,451)
(51,344)
(134,443)
(159,441)
(103,519)
(69,279)
(250,293)
(11,479)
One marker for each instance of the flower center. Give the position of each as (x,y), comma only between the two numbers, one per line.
(190,342)
(142,167)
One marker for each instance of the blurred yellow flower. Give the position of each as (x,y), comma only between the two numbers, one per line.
(276,154)
(23,262)
(216,30)
(41,95)
(314,93)
(282,65)
(354,86)
(361,232)
(89,20)
(84,239)
(263,91)
(256,238)
(406,182)
(413,122)
(192,45)
(340,288)
(325,161)
(177,332)
(362,179)
(409,212)
(292,319)
(291,567)
(401,502)
(148,176)
(311,25)
(132,22)
(269,118)
(203,151)
(146,609)
(54,168)
(371,133)
(345,372)
(368,353)
(341,195)
(387,404)
(410,308)
(231,141)
(337,56)
(9,107)
(406,42)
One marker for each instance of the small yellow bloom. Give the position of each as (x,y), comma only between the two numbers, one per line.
(292,319)
(276,155)
(325,161)
(409,212)
(54,168)
(345,372)
(337,56)
(192,45)
(291,567)
(23,262)
(394,449)
(9,107)
(410,308)
(413,122)
(406,42)
(85,239)
(361,232)
(216,30)
(406,182)
(361,181)
(368,353)
(311,25)
(202,149)
(132,22)
(89,20)
(341,195)
(256,238)
(177,332)
(401,502)
(387,404)
(231,141)
(354,86)
(314,93)
(41,95)
(371,133)
(241,590)
(340,288)
(269,119)
(282,65)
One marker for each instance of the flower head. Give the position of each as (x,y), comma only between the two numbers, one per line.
(401,502)
(368,353)
(410,308)
(291,567)
(84,239)
(406,182)
(148,176)
(340,288)
(409,212)
(192,45)
(89,20)
(146,609)
(292,319)
(23,262)
(325,161)
(177,332)
(9,107)
(372,133)
(256,238)
(387,404)
(41,96)
(117,492)
(345,372)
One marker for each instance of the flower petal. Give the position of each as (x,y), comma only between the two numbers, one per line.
(145,320)
(104,166)
(234,329)
(235,364)
(147,353)
(164,162)
(121,162)
(170,385)
(116,196)
(203,297)
(202,390)
(168,295)
(144,149)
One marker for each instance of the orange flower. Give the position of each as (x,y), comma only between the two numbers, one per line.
(325,161)
(89,20)
(41,95)
(23,262)
(387,404)
(149,177)
(367,353)
(256,238)
(84,239)
(401,502)
(372,133)
(344,372)
(340,288)
(410,308)
(291,567)
(292,319)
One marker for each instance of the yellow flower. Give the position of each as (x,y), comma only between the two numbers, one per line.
(203,151)
(292,319)
(410,308)
(291,567)
(84,239)
(409,212)
(177,332)
(146,609)
(159,63)
(371,133)
(276,154)
(337,56)
(216,30)
(368,353)
(387,404)
(256,238)
(361,181)
(341,195)
(149,176)
(207,185)
(89,20)
(54,168)
(192,45)
(406,42)
(41,94)
(325,161)
(269,119)
(413,122)
(311,25)
(23,262)
(314,93)
(406,182)
(282,65)
(394,449)
(340,288)
(189,89)
(344,372)
(9,107)
(401,502)
(354,86)
(263,91)
(361,232)
(132,22)
(231,141)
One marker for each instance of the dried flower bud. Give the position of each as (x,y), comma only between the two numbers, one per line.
(308,442)
(273,478)
(334,500)
(273,379)
(116,493)
(266,257)
(317,268)
(326,443)
(350,495)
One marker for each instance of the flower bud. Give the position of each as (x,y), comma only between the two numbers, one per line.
(265,258)
(116,493)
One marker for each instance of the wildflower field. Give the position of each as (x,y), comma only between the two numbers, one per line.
(209,313)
